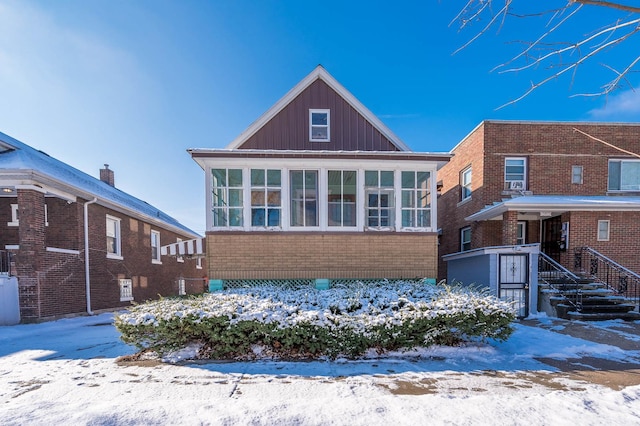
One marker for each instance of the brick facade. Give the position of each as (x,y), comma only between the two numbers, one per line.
(550,150)
(50,262)
(288,255)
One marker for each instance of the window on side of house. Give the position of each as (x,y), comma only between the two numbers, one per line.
(515,173)
(465,184)
(319,125)
(603,230)
(416,199)
(624,175)
(114,249)
(379,196)
(304,198)
(227,198)
(521,238)
(266,197)
(126,290)
(576,175)
(15,220)
(198,263)
(465,239)
(179,258)
(155,247)
(341,198)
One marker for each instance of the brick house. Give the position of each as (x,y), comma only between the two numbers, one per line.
(562,185)
(318,188)
(78,243)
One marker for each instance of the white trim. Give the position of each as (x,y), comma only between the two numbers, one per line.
(61,250)
(318,73)
(12,247)
(158,259)
(520,184)
(117,254)
(15,221)
(181,250)
(608,230)
(327,126)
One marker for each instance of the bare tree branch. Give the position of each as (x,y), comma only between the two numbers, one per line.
(606,143)
(548,51)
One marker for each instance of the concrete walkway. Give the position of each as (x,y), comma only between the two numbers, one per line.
(613,374)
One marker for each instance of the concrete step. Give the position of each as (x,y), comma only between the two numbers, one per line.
(604,316)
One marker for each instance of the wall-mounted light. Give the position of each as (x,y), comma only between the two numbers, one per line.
(7,190)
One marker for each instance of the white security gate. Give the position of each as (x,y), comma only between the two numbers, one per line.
(513,283)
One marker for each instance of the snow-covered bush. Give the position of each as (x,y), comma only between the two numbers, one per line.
(347,320)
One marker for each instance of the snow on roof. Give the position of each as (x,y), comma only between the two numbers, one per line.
(537,203)
(23,157)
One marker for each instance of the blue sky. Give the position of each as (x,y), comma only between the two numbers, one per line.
(136,83)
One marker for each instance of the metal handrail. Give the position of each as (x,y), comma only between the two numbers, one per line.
(549,269)
(615,276)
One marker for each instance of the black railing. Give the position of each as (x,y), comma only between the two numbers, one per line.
(616,277)
(5,262)
(560,279)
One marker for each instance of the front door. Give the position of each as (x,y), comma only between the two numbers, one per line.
(513,285)
(551,237)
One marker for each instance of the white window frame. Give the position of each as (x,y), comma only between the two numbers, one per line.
(118,237)
(521,237)
(415,208)
(619,183)
(179,258)
(15,220)
(464,241)
(126,289)
(577,175)
(342,201)
(265,189)
(198,262)
(224,191)
(324,126)
(157,259)
(380,190)
(319,179)
(182,287)
(604,230)
(466,184)
(508,182)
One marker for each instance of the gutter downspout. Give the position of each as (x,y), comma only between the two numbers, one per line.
(87,279)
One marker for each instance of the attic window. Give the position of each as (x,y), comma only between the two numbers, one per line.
(319,121)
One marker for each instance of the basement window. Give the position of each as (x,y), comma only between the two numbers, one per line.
(126,290)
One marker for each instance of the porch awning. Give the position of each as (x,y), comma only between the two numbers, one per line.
(553,205)
(193,248)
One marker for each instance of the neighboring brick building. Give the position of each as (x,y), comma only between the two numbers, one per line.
(544,182)
(51,213)
(319,188)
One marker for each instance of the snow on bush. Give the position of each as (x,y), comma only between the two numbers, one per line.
(346,320)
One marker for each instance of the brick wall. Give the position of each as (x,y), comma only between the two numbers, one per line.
(551,150)
(52,283)
(289,255)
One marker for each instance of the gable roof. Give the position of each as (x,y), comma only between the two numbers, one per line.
(319,73)
(20,164)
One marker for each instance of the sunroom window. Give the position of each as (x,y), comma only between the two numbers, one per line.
(227,197)
(379,196)
(266,197)
(304,198)
(341,198)
(624,175)
(416,200)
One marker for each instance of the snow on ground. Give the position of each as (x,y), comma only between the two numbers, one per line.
(65,372)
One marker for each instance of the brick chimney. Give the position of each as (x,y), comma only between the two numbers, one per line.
(106,175)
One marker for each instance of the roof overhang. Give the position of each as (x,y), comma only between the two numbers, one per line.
(541,206)
(201,155)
